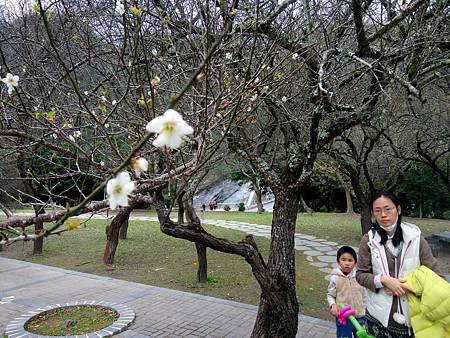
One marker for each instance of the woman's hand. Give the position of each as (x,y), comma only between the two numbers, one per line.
(394,286)
(334,310)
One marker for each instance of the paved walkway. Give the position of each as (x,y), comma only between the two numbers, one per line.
(159,312)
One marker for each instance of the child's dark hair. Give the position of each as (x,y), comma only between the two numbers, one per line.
(346,249)
(398,234)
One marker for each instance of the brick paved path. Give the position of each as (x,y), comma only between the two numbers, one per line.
(159,312)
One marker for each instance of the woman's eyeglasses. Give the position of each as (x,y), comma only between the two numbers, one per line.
(386,211)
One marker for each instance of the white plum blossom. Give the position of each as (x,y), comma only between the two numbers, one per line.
(154,52)
(55,136)
(72,138)
(77,134)
(254,97)
(113,102)
(11,81)
(140,165)
(284,99)
(118,190)
(294,56)
(104,99)
(228,55)
(120,8)
(86,93)
(102,163)
(169,67)
(257,80)
(170,128)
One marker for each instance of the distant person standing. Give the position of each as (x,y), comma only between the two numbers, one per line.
(387,253)
(203,207)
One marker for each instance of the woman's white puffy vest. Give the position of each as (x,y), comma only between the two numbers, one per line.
(379,303)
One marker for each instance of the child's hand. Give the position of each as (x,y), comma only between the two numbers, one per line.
(334,310)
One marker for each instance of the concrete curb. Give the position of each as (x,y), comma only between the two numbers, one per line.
(16,328)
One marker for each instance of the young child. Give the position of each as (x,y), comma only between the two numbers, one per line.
(344,288)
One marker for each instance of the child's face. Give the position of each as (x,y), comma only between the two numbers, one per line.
(346,262)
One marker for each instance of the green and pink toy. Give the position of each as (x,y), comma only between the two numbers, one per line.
(346,313)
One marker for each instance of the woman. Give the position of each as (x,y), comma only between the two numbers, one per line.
(387,253)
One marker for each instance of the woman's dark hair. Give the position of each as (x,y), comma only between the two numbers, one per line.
(398,234)
(346,249)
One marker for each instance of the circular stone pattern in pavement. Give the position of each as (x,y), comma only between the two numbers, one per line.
(126,316)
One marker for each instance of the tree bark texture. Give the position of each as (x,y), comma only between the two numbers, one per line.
(38,244)
(123,233)
(194,223)
(348,198)
(112,237)
(259,203)
(366,218)
(202,272)
(278,308)
(366,208)
(180,208)
(348,193)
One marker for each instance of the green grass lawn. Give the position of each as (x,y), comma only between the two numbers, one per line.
(150,257)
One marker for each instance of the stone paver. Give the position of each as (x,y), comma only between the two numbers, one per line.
(159,312)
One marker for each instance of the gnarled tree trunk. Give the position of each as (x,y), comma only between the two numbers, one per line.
(112,236)
(195,224)
(123,232)
(180,207)
(38,244)
(202,272)
(278,307)
(363,200)
(348,194)
(259,203)
(366,217)
(349,202)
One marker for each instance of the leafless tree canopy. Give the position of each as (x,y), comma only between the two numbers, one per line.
(275,82)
